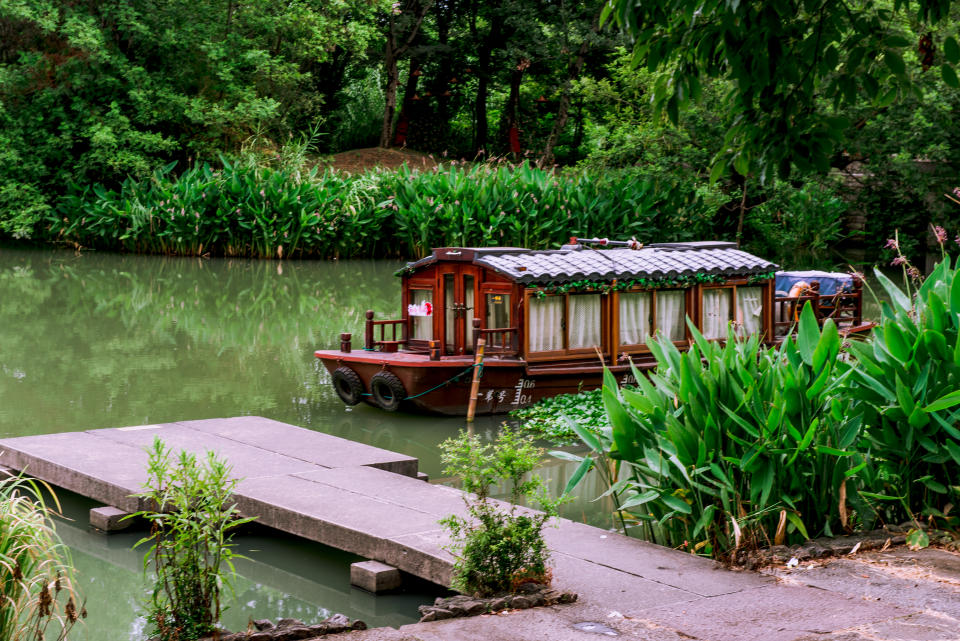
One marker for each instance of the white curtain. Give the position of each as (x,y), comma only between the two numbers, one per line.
(583,326)
(749,309)
(716,312)
(422,325)
(545,323)
(672,314)
(634,318)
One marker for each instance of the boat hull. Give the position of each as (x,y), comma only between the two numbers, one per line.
(443,387)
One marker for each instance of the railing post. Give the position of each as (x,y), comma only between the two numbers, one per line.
(368,331)
(476,333)
(345,342)
(434,350)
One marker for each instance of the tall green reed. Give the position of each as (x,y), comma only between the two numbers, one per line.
(37,595)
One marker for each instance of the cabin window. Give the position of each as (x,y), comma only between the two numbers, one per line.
(635,316)
(583,325)
(717,312)
(721,305)
(498,311)
(671,305)
(545,323)
(421,314)
(750,310)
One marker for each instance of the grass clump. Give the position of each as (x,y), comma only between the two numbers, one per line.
(192,519)
(37,596)
(497,547)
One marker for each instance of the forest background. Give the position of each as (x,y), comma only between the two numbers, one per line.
(206,126)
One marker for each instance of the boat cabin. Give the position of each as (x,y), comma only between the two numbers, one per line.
(570,303)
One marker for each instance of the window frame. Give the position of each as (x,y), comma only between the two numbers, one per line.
(419,284)
(765,288)
(643,348)
(566,353)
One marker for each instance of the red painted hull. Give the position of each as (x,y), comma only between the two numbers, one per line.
(432,386)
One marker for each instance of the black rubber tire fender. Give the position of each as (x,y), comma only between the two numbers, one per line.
(387,391)
(348,385)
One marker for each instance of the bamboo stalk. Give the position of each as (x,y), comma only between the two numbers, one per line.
(475,386)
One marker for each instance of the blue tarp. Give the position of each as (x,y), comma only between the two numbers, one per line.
(830,282)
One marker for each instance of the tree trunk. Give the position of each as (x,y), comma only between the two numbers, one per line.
(393,79)
(563,110)
(483,81)
(513,102)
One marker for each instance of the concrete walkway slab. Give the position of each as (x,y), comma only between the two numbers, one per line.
(247,461)
(318,448)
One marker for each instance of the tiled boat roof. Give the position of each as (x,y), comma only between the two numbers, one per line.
(663,261)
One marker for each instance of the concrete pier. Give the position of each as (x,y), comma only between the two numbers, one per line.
(368,501)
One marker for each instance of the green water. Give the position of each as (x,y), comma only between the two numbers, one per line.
(92,340)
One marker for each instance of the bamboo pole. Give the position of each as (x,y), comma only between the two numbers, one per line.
(475,386)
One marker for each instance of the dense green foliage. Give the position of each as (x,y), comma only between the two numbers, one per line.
(785,105)
(103,94)
(242,210)
(734,445)
(497,548)
(37,596)
(191,519)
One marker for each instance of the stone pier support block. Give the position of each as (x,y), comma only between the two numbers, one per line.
(109,519)
(423,476)
(374,576)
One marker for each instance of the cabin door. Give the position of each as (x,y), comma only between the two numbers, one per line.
(458,293)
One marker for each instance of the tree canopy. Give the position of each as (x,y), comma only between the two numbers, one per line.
(791,66)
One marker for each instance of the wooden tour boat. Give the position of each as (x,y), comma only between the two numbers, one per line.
(550,320)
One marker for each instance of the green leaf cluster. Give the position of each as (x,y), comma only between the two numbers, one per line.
(733,445)
(191,521)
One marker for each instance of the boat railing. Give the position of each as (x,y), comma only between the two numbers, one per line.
(499,340)
(845,308)
(376,333)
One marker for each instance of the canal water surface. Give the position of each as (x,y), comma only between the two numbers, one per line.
(98,340)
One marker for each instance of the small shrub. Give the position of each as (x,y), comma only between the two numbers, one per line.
(37,596)
(191,550)
(497,548)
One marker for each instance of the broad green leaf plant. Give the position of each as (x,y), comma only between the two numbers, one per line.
(906,385)
(732,444)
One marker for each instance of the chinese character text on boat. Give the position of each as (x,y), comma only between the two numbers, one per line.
(551,319)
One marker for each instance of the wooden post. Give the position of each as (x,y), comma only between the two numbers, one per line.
(476,333)
(368,331)
(345,341)
(434,350)
(475,386)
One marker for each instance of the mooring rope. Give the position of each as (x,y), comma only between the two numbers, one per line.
(444,383)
